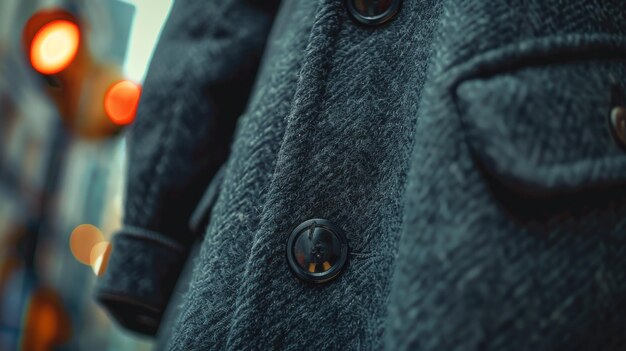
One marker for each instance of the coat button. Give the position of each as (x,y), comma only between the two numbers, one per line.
(373,12)
(618,124)
(317,251)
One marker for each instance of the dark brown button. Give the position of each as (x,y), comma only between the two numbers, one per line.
(317,251)
(373,12)
(618,124)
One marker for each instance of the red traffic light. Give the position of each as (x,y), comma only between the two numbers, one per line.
(90,93)
(54,46)
(120,102)
(52,40)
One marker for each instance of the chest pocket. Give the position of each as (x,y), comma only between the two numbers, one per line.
(536,114)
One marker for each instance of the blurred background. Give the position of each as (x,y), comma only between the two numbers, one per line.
(70,80)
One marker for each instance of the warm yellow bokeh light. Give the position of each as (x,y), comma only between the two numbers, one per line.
(99,257)
(82,241)
(54,46)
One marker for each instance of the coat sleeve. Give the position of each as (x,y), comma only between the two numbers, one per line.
(197,85)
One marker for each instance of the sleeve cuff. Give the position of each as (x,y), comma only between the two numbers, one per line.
(142,272)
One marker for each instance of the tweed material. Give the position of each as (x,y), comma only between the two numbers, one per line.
(181,136)
(463,148)
(139,278)
(515,215)
(340,152)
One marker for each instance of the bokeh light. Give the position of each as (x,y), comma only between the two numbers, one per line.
(45,319)
(59,59)
(54,46)
(120,102)
(82,241)
(99,257)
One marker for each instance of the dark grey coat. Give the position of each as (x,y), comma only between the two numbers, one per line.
(464,148)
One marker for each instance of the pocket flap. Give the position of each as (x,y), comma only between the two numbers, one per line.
(537,116)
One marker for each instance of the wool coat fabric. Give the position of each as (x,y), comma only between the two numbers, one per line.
(464,147)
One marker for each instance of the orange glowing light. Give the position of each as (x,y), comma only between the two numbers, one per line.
(46,323)
(82,241)
(120,102)
(99,257)
(54,46)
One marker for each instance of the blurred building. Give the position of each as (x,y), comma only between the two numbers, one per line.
(52,180)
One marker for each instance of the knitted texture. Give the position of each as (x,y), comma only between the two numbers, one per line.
(463,147)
